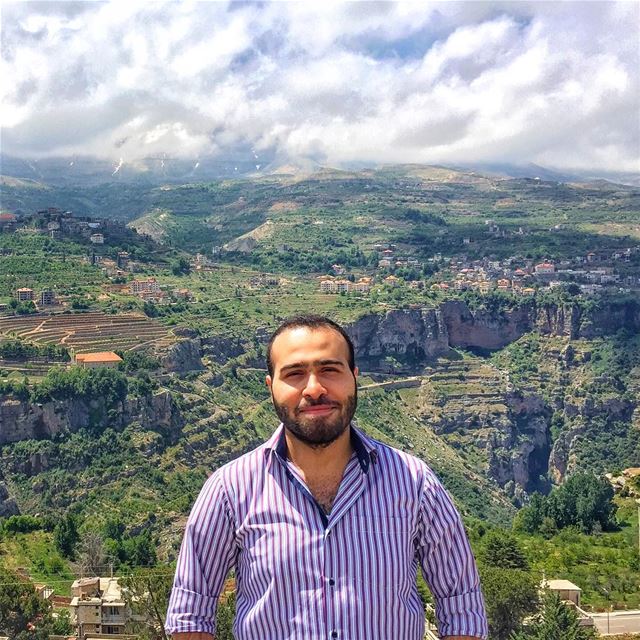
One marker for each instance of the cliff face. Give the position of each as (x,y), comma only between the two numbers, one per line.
(609,319)
(418,335)
(184,356)
(221,349)
(413,336)
(8,506)
(557,320)
(519,454)
(484,329)
(515,444)
(494,330)
(20,420)
(574,322)
(579,414)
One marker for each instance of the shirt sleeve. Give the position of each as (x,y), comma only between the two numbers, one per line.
(448,564)
(208,550)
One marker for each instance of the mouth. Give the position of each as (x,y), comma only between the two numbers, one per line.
(317,409)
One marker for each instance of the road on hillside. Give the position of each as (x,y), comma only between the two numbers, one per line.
(619,622)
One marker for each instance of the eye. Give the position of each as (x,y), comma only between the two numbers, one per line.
(293,374)
(330,370)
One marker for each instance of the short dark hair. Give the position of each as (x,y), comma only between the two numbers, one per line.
(310,322)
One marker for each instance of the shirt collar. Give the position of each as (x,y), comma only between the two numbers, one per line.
(364,447)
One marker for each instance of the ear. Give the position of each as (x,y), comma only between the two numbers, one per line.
(356,372)
(268,381)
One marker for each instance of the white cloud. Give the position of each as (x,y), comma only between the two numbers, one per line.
(553,83)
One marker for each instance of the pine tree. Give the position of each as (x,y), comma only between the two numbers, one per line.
(557,621)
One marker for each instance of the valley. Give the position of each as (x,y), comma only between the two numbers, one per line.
(496,323)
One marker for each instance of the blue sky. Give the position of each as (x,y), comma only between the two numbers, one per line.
(556,83)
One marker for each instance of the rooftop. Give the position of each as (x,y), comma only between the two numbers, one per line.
(561,585)
(98,356)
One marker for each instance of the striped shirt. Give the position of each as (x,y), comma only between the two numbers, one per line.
(304,575)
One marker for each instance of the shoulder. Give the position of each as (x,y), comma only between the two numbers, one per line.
(223,487)
(401,464)
(240,475)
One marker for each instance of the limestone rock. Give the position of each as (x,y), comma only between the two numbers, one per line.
(184,356)
(413,336)
(21,420)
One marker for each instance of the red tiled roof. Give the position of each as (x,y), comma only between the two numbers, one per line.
(98,356)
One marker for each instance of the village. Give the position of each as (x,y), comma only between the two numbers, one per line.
(58,224)
(588,274)
(591,273)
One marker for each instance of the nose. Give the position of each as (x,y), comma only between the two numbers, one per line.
(314,388)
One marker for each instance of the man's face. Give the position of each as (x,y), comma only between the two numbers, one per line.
(312,388)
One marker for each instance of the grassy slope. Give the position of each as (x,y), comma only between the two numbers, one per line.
(35,552)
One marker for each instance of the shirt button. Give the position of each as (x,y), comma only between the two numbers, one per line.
(332,582)
(334,634)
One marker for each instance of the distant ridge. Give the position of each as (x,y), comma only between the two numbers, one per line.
(85,171)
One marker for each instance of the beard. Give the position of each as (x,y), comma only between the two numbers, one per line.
(318,432)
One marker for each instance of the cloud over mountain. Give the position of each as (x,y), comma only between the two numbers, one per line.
(552,83)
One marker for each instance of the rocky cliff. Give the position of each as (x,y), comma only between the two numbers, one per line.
(510,431)
(411,336)
(22,420)
(183,356)
(518,454)
(8,506)
(574,321)
(580,414)
(484,329)
(415,336)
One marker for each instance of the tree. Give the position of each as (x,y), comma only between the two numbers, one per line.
(584,500)
(139,550)
(529,518)
(556,620)
(92,556)
(510,596)
(501,549)
(146,592)
(66,536)
(180,267)
(21,609)
(150,310)
(25,308)
(61,624)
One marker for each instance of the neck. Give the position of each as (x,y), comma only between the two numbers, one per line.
(320,460)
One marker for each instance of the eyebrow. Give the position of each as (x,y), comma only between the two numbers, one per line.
(305,365)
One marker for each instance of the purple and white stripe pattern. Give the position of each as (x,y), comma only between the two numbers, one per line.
(304,575)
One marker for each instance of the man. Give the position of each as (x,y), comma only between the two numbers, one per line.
(324,526)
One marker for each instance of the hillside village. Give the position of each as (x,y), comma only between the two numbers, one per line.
(597,270)
(591,273)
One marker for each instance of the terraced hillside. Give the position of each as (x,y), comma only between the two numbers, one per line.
(92,331)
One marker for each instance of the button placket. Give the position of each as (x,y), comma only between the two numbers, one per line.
(329,586)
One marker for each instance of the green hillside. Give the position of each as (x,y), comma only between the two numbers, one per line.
(521,390)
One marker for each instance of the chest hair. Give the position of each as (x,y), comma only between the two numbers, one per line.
(324,490)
